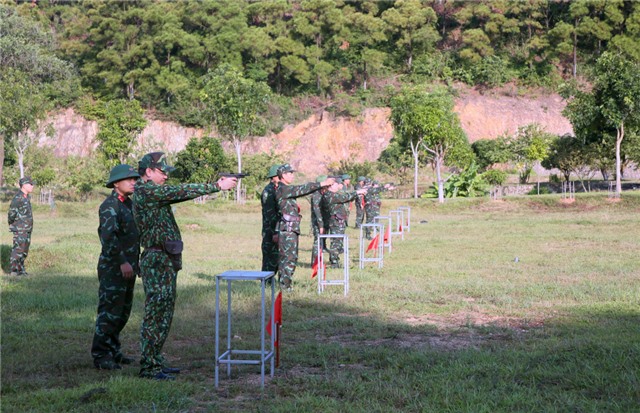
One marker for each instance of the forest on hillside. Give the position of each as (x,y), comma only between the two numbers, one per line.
(180,60)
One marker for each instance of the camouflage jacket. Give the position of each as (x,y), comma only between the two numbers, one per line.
(317,215)
(373,195)
(270,214)
(118,233)
(359,198)
(152,209)
(20,214)
(335,204)
(289,210)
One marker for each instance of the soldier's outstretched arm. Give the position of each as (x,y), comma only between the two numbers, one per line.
(171,194)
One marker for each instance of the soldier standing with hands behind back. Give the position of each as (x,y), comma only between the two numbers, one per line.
(117,269)
(21,224)
(162,256)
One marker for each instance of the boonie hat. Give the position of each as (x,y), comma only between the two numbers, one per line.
(361,178)
(25,180)
(155,160)
(321,178)
(120,172)
(345,177)
(273,171)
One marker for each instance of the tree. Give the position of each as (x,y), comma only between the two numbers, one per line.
(120,122)
(530,144)
(201,160)
(612,108)
(30,79)
(426,122)
(413,28)
(234,106)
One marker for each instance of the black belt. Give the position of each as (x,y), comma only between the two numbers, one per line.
(154,248)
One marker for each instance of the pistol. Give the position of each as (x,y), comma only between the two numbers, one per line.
(237,175)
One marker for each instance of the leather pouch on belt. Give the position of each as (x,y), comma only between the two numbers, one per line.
(174,250)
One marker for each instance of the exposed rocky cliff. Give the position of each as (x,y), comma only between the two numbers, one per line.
(312,144)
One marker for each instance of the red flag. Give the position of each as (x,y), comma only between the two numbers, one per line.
(277,315)
(373,245)
(386,233)
(316,265)
(400,229)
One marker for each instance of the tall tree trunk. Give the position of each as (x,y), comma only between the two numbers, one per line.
(414,151)
(619,138)
(438,159)
(364,83)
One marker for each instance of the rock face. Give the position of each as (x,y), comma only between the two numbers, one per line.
(313,144)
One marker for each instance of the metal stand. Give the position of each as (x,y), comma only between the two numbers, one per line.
(407,224)
(322,281)
(379,256)
(399,218)
(263,354)
(385,227)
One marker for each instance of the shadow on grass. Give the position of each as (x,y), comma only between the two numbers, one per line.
(335,356)
(5,256)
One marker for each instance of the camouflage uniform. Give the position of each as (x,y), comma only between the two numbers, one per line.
(289,227)
(347,188)
(270,218)
(317,221)
(359,206)
(372,204)
(336,205)
(119,238)
(20,219)
(159,269)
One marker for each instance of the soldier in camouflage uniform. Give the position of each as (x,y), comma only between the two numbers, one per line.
(346,186)
(270,218)
(289,225)
(117,269)
(360,202)
(335,202)
(20,219)
(318,218)
(372,203)
(162,256)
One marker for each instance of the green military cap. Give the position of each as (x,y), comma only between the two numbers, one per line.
(273,171)
(338,180)
(345,177)
(25,180)
(285,168)
(361,178)
(155,160)
(120,172)
(321,178)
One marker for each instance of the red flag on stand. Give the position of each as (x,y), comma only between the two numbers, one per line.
(400,229)
(316,265)
(373,245)
(277,315)
(387,233)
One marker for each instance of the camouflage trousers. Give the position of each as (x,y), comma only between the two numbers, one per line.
(336,226)
(115,298)
(269,253)
(159,281)
(314,249)
(288,257)
(21,243)
(359,213)
(372,210)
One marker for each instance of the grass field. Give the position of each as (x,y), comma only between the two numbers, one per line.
(522,305)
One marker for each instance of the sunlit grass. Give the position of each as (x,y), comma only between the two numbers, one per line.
(525,304)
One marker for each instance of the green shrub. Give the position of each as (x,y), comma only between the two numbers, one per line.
(495,177)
